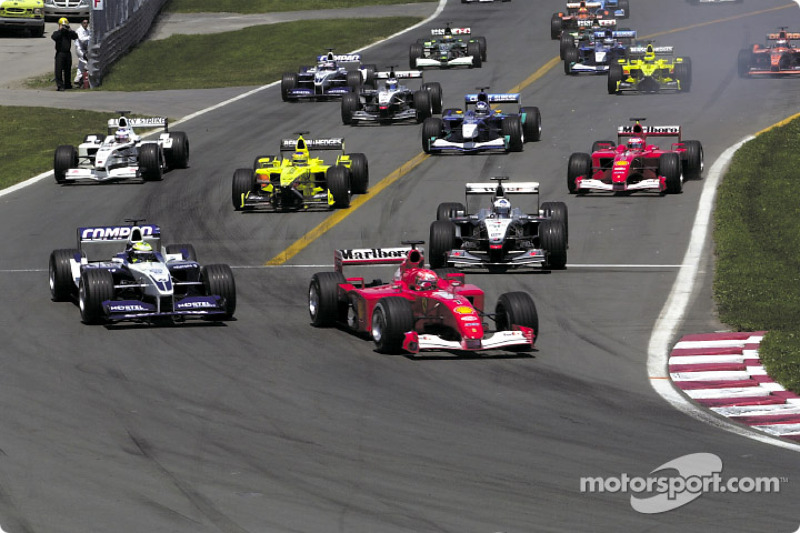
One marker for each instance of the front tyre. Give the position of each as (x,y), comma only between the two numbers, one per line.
(62,287)
(516,309)
(392,318)
(218,281)
(338,178)
(243,183)
(65,158)
(96,286)
(150,162)
(359,173)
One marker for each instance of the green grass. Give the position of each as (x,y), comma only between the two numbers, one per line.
(252,56)
(267,6)
(757,235)
(30,136)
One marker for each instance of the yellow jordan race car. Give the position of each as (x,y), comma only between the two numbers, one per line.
(301,182)
(650,69)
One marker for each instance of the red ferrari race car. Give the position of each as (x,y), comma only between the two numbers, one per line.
(419,309)
(636,165)
(579,15)
(777,58)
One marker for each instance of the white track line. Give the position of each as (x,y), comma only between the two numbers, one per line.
(677,303)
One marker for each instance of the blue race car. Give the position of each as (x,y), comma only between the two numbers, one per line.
(121,273)
(331,78)
(596,55)
(479,127)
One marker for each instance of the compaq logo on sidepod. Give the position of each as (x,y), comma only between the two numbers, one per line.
(678,482)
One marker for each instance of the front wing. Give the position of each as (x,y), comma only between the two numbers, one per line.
(465,61)
(519,337)
(521,258)
(501,143)
(119,310)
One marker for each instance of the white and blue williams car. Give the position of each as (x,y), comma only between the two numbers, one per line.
(122,273)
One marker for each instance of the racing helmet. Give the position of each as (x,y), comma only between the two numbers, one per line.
(140,251)
(328,65)
(299,159)
(635,143)
(482,109)
(63,22)
(425,280)
(502,207)
(391,84)
(122,136)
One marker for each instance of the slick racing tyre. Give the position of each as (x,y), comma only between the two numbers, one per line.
(62,287)
(186,250)
(553,239)
(517,308)
(414,52)
(566,43)
(614,76)
(359,173)
(178,155)
(512,127)
(432,129)
(392,318)
(693,163)
(324,306)
(354,81)
(448,210)
(338,178)
(557,211)
(350,104)
(442,240)
(288,84)
(65,158)
(683,73)
(570,58)
(474,50)
(218,281)
(669,166)
(531,123)
(555,26)
(243,183)
(96,286)
(423,105)
(579,166)
(150,162)
(437,101)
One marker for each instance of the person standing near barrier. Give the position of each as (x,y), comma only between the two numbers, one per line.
(63,37)
(82,49)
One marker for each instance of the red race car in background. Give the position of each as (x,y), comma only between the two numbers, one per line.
(420,309)
(636,165)
(777,58)
(579,15)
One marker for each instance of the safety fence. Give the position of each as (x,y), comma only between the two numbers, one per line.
(116,28)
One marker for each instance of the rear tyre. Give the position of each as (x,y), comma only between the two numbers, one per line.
(359,173)
(324,305)
(435,89)
(474,50)
(614,77)
(243,183)
(338,178)
(448,210)
(150,162)
(354,80)
(516,308)
(669,166)
(218,280)
(392,318)
(178,155)
(512,127)
(414,53)
(532,124)
(96,286)
(442,240)
(432,129)
(65,158)
(350,104)
(422,105)
(693,163)
(186,250)
(62,287)
(553,239)
(288,84)
(482,44)
(557,211)
(683,73)
(555,26)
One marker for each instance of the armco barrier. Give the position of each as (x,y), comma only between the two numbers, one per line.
(120,26)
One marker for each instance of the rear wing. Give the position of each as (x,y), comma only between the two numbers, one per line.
(454,31)
(621,34)
(589,5)
(658,50)
(604,23)
(649,131)
(494,98)
(369,256)
(783,36)
(520,187)
(290,145)
(344,58)
(399,74)
(119,234)
(125,122)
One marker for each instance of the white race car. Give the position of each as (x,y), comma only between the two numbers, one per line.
(122,154)
(122,273)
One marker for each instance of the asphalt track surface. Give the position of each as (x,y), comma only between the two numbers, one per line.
(266,424)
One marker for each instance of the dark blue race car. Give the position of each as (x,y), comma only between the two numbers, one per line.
(595,55)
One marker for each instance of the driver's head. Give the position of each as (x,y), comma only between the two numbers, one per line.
(635,143)
(140,251)
(502,208)
(122,136)
(482,109)
(299,159)
(425,280)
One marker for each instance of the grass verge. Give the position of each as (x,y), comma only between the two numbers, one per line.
(31,135)
(267,6)
(252,56)
(757,236)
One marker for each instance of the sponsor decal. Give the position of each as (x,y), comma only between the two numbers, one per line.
(621,163)
(651,129)
(110,233)
(196,305)
(464,310)
(373,253)
(126,308)
(465,318)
